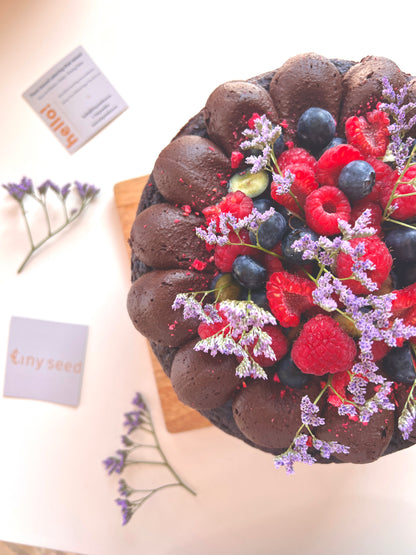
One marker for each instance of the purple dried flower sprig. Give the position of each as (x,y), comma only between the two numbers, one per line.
(20,191)
(407,418)
(139,420)
(298,451)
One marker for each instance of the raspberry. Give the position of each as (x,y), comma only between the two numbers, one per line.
(278,345)
(376,213)
(323,346)
(383,178)
(405,206)
(338,385)
(238,204)
(303,184)
(332,161)
(289,295)
(404,306)
(252,120)
(375,251)
(295,156)
(273,263)
(369,134)
(225,255)
(324,207)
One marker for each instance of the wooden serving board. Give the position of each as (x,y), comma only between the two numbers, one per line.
(178,417)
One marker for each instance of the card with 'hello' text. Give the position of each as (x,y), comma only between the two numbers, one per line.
(45,360)
(75,100)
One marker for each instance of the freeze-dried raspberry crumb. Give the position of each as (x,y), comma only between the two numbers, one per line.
(324,207)
(289,295)
(322,347)
(369,133)
(236,159)
(332,161)
(375,251)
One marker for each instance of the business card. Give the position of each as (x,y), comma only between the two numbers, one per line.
(45,360)
(75,100)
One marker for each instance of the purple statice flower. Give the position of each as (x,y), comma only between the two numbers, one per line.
(309,412)
(126,441)
(219,235)
(194,309)
(116,464)
(347,409)
(86,191)
(327,448)
(244,328)
(19,190)
(261,137)
(124,489)
(284,182)
(297,453)
(403,121)
(323,294)
(360,227)
(126,509)
(408,416)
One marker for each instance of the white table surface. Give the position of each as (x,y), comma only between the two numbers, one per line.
(164,58)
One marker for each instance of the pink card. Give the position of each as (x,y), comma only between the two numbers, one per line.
(45,360)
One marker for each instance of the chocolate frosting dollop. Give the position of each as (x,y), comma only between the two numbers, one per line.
(149,304)
(192,171)
(268,413)
(367,442)
(305,81)
(201,381)
(163,237)
(363,85)
(229,108)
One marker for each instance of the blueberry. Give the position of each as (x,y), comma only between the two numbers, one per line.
(279,146)
(289,374)
(402,243)
(252,184)
(405,274)
(258,296)
(398,365)
(262,204)
(316,128)
(357,179)
(270,232)
(287,242)
(248,272)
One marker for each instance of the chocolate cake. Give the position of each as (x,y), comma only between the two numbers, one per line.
(334,151)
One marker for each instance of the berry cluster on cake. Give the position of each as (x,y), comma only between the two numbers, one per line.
(274,260)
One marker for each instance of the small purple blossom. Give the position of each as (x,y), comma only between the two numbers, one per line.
(116,464)
(245,321)
(309,413)
(126,509)
(86,191)
(261,137)
(19,190)
(402,121)
(283,182)
(327,448)
(297,453)
(408,417)
(195,309)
